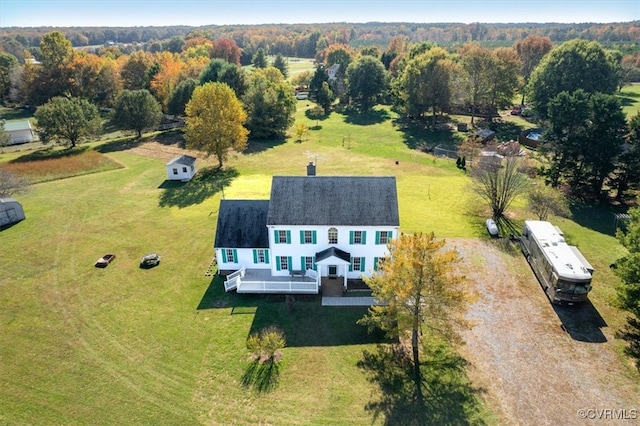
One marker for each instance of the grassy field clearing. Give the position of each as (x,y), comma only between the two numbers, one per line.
(167,345)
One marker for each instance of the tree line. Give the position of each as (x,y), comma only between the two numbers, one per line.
(590,151)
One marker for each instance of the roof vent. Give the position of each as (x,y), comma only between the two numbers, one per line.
(311,169)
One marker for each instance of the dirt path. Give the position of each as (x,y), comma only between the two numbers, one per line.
(539,364)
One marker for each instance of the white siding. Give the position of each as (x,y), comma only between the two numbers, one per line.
(177,171)
(296,250)
(245,258)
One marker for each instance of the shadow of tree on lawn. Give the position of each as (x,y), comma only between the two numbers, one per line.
(448,396)
(49,153)
(368,118)
(207,182)
(261,376)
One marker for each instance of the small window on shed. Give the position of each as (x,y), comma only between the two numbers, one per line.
(175,171)
(184,170)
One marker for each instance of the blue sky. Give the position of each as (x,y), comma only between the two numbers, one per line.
(127,13)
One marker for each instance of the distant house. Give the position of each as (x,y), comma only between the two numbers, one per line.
(312,229)
(11,212)
(181,168)
(332,71)
(19,131)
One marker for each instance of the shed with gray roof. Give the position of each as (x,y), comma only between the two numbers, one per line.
(11,212)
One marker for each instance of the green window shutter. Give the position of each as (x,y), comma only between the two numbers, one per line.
(377,237)
(375,263)
(362,268)
(313,237)
(266,257)
(275,236)
(302,263)
(235,256)
(350,237)
(288,237)
(277,263)
(389,235)
(255,256)
(364,237)
(290,263)
(351,265)
(315,267)
(224,255)
(301,237)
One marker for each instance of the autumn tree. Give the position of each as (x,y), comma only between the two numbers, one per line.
(67,120)
(269,102)
(167,78)
(226,49)
(135,70)
(421,290)
(136,110)
(367,80)
(498,183)
(576,64)
(531,50)
(214,121)
(52,77)
(628,269)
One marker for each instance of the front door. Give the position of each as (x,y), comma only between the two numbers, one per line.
(333,271)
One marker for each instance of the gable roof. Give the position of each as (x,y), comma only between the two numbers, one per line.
(15,126)
(187,160)
(333,252)
(333,201)
(242,224)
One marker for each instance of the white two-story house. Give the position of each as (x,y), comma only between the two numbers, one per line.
(312,228)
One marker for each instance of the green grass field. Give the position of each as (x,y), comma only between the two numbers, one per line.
(123,345)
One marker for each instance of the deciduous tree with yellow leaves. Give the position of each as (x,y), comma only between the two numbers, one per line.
(214,122)
(421,289)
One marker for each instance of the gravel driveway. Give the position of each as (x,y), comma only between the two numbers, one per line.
(540,365)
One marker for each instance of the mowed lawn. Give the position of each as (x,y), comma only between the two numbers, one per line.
(122,345)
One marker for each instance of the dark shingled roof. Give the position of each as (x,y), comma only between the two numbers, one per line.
(187,160)
(335,252)
(242,224)
(333,200)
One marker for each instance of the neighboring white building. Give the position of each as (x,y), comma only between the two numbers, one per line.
(181,168)
(332,72)
(19,131)
(313,228)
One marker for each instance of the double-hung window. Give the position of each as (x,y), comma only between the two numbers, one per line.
(308,263)
(307,237)
(383,237)
(357,237)
(260,256)
(333,236)
(229,256)
(282,236)
(357,264)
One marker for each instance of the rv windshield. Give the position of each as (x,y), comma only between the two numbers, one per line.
(573,288)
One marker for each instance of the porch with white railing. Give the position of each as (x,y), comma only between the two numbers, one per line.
(261,281)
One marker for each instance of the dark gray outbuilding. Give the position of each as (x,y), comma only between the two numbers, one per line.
(11,212)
